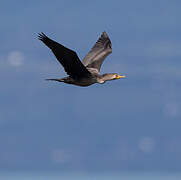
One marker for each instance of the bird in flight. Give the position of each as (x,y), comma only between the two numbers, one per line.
(83,73)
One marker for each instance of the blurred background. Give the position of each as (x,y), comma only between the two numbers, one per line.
(130,125)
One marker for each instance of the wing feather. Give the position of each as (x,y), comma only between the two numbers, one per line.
(67,58)
(98,53)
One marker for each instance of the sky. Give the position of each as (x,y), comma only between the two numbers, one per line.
(131,124)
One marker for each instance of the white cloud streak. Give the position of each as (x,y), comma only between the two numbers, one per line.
(146,144)
(15,58)
(60,156)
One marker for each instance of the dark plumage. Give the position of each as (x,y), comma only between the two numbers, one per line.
(86,72)
(68,58)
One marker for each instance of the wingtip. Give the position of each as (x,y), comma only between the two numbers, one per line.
(104,34)
(41,36)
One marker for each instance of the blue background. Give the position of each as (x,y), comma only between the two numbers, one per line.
(131,124)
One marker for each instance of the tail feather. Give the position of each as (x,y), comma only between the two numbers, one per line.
(59,80)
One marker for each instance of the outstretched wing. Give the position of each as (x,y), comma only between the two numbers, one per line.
(67,58)
(98,53)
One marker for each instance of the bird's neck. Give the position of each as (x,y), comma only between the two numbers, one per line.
(107,77)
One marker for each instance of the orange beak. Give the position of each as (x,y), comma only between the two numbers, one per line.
(120,76)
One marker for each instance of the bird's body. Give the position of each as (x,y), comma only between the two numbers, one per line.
(83,73)
(78,82)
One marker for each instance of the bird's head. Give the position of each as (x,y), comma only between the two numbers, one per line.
(110,76)
(117,76)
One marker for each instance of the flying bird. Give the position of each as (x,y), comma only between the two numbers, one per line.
(83,73)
